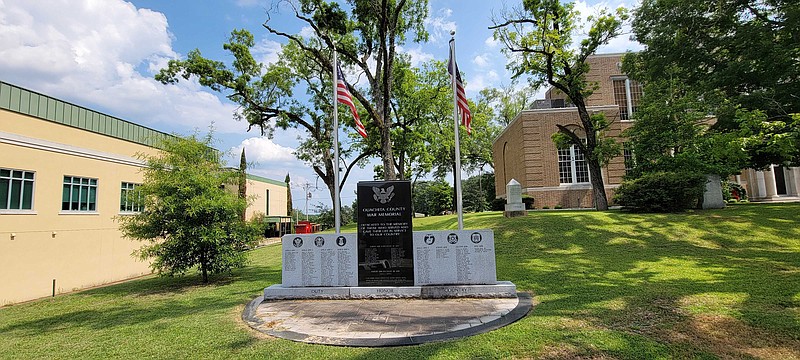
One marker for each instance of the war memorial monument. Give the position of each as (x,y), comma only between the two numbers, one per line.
(386,259)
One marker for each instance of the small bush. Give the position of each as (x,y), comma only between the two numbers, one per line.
(661,192)
(528,201)
(558,207)
(545,207)
(498,204)
(732,192)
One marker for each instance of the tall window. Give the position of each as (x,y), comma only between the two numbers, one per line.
(266,209)
(627,156)
(572,166)
(79,194)
(627,94)
(130,198)
(16,189)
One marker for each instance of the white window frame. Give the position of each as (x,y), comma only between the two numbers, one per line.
(10,179)
(572,163)
(628,97)
(128,190)
(72,184)
(627,158)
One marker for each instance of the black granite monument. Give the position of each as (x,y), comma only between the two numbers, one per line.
(385,238)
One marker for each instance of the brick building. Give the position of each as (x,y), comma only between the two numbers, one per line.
(560,177)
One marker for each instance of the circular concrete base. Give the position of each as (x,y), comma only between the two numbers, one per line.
(389,322)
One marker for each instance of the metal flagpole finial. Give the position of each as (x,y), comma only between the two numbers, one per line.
(452,33)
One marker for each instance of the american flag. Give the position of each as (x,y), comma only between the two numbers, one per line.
(344,97)
(463,106)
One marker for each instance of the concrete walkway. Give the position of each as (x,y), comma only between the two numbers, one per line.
(385,322)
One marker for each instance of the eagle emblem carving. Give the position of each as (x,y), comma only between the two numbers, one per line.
(383,196)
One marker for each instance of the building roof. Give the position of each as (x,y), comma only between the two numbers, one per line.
(265,180)
(23,101)
(31,103)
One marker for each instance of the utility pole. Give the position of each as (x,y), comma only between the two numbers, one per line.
(307,194)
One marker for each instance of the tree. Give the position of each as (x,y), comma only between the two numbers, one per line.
(267,93)
(366,39)
(537,40)
(479,192)
(673,133)
(243,182)
(740,55)
(420,100)
(289,208)
(507,101)
(432,197)
(189,218)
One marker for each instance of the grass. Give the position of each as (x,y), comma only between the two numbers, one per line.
(705,284)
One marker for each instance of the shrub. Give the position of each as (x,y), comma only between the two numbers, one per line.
(661,192)
(498,204)
(528,201)
(733,191)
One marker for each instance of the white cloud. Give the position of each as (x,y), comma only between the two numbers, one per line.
(267,51)
(264,151)
(438,25)
(91,53)
(248,3)
(481,60)
(480,81)
(491,43)
(617,45)
(418,56)
(307,32)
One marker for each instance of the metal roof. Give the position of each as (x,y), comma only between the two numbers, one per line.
(31,103)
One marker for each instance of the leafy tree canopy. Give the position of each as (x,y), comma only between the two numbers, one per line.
(190,219)
(538,40)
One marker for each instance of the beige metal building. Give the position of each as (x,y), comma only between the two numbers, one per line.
(65,173)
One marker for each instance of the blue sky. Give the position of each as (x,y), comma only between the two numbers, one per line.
(103,54)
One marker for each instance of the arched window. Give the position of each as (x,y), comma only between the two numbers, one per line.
(505,147)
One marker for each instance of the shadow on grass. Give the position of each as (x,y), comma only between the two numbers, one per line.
(662,276)
(154,300)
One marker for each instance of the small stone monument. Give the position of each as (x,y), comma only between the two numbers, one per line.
(712,197)
(514,205)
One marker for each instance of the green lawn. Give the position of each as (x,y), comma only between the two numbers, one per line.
(703,284)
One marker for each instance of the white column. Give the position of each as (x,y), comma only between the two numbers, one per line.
(769,181)
(760,186)
(793,181)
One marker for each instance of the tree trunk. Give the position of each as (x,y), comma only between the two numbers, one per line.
(386,154)
(598,188)
(204,268)
(595,170)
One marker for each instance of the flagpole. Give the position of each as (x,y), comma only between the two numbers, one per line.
(336,205)
(459,206)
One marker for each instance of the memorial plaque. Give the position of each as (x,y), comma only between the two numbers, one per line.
(385,246)
(319,260)
(457,257)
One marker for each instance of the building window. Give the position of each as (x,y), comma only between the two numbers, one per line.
(627,156)
(130,198)
(266,209)
(627,94)
(16,189)
(572,166)
(79,194)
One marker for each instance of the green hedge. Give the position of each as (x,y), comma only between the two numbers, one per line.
(661,192)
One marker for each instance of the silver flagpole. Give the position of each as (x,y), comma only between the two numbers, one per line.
(459,206)
(336,212)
